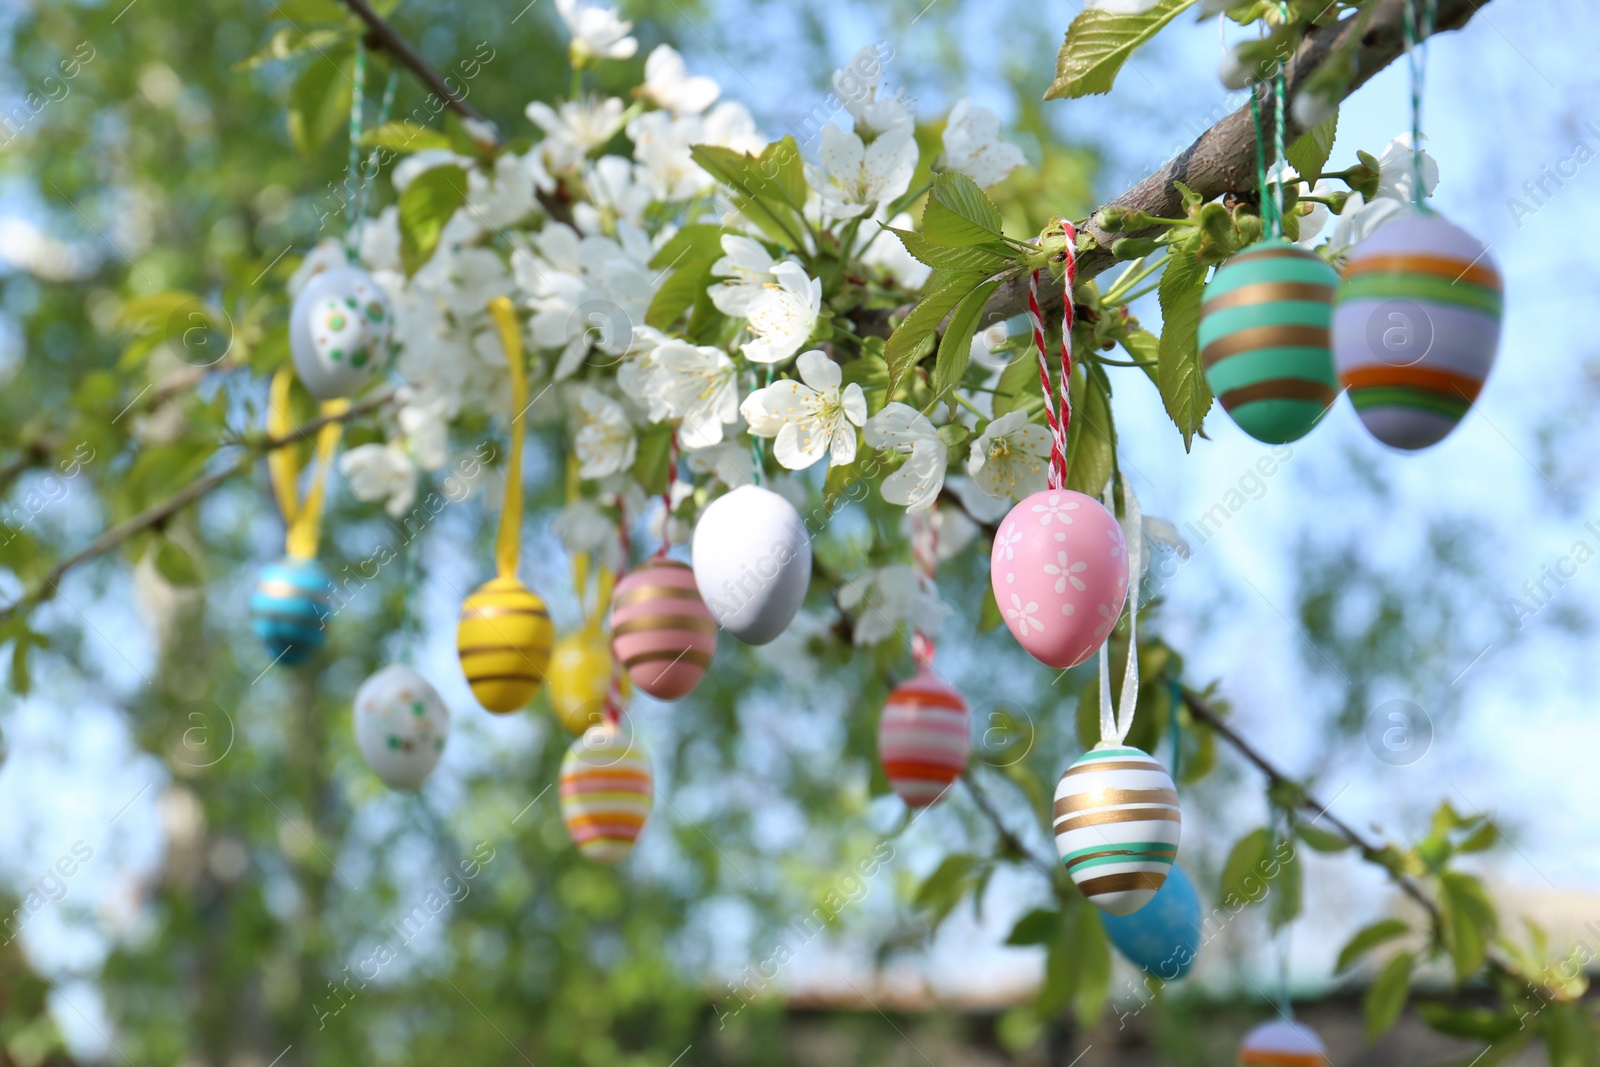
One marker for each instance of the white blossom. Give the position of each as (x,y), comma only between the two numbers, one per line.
(746,266)
(381,472)
(619,192)
(604,442)
(425,423)
(584,527)
(696,384)
(892,600)
(510,195)
(810,417)
(668,83)
(902,428)
(732,467)
(597,32)
(587,294)
(973,145)
(417,163)
(783,314)
(380,240)
(854,177)
(857,86)
(572,132)
(1397,172)
(1011,458)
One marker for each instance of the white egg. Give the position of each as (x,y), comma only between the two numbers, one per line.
(339,332)
(752,562)
(401,726)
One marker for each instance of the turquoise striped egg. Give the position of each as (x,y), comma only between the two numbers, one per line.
(1116,825)
(1266,339)
(290,607)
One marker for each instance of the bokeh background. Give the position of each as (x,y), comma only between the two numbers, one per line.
(241,856)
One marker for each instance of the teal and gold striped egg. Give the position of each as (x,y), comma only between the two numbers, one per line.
(1266,339)
(290,607)
(1117,825)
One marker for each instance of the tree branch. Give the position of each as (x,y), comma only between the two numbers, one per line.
(158,513)
(386,37)
(1222,159)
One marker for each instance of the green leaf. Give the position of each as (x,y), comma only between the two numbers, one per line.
(1244,879)
(1099,42)
(1093,950)
(1091,436)
(942,890)
(1469,921)
(1018,387)
(763,187)
(1319,839)
(1482,1024)
(288,41)
(426,205)
(1179,376)
(1038,927)
(699,240)
(1482,839)
(653,459)
(942,293)
(989,614)
(175,564)
(955,347)
(959,214)
(1310,152)
(1569,1035)
(1284,903)
(1386,998)
(990,258)
(319,101)
(403,135)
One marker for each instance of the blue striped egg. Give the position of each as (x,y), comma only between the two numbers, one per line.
(289,609)
(1117,823)
(1163,937)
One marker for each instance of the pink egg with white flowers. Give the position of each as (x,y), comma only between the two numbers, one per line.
(1060,574)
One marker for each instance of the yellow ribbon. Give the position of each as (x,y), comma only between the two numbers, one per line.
(507,545)
(303,519)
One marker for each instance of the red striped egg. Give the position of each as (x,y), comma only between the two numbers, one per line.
(606,792)
(924,738)
(662,633)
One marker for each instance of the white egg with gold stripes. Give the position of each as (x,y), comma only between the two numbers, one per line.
(1116,825)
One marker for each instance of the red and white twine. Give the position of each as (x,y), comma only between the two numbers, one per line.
(924,556)
(1058,424)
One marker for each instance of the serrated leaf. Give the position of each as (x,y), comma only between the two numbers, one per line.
(939,298)
(319,101)
(1099,42)
(989,259)
(697,239)
(425,206)
(1310,151)
(1386,998)
(1091,436)
(403,135)
(967,199)
(763,186)
(955,347)
(1179,375)
(1037,927)
(1018,387)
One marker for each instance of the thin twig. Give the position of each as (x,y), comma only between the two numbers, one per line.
(1007,836)
(390,40)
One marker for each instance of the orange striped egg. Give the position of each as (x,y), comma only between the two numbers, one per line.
(1116,824)
(504,643)
(924,737)
(606,792)
(661,630)
(1283,1043)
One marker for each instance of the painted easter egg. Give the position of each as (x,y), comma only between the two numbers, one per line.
(924,736)
(1059,568)
(290,607)
(1416,328)
(661,630)
(580,677)
(504,640)
(606,792)
(339,332)
(1282,1043)
(1163,937)
(1266,339)
(1116,826)
(401,724)
(752,562)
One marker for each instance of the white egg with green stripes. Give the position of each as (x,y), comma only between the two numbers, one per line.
(1116,825)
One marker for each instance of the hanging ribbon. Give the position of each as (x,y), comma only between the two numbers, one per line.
(925,556)
(508,542)
(1418,28)
(1114,729)
(1059,425)
(302,518)
(666,495)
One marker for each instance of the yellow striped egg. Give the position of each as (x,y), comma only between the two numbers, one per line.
(1116,826)
(580,677)
(504,643)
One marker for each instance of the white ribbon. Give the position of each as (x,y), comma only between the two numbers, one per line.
(1114,729)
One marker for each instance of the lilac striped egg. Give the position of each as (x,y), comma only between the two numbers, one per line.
(662,633)
(924,738)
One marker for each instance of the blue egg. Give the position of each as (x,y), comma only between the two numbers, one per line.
(289,609)
(1163,937)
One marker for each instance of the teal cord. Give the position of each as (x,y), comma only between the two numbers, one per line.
(384,108)
(1418,28)
(1177,727)
(353,176)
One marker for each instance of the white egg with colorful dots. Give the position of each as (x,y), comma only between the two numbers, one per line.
(340,332)
(401,726)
